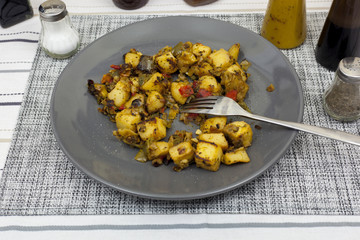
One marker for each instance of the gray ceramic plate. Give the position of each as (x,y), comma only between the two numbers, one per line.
(86,138)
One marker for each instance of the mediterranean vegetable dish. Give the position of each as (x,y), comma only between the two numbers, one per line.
(144,94)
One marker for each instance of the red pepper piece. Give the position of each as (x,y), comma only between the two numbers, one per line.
(186,91)
(115,67)
(203,93)
(232,94)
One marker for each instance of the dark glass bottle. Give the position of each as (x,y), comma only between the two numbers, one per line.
(196,3)
(340,36)
(130,4)
(14,11)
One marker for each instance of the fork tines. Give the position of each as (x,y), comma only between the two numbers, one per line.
(201,103)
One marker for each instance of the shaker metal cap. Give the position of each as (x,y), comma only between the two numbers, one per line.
(52,10)
(349,69)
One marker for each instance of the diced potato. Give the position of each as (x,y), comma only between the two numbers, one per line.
(155,83)
(153,129)
(234,51)
(137,100)
(132,58)
(200,69)
(174,110)
(239,133)
(120,94)
(155,101)
(166,63)
(182,154)
(213,125)
(210,84)
(135,85)
(157,150)
(126,119)
(208,156)
(237,70)
(234,78)
(175,91)
(235,156)
(101,90)
(129,137)
(185,60)
(201,51)
(220,60)
(217,138)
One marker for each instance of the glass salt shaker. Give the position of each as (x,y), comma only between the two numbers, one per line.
(342,99)
(58,37)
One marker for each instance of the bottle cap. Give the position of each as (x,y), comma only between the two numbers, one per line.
(52,10)
(349,69)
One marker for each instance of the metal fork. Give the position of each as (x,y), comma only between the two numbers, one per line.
(224,106)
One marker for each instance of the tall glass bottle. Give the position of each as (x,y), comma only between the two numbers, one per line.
(284,23)
(340,36)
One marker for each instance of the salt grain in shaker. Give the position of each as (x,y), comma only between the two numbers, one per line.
(58,38)
(342,99)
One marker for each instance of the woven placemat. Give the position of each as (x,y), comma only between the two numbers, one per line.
(316,175)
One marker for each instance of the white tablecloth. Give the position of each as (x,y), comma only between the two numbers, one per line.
(17,50)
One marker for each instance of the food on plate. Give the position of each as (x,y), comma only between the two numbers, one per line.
(143,96)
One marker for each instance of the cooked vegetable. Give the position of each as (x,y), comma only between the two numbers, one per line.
(154,102)
(235,156)
(132,58)
(182,154)
(142,96)
(239,133)
(153,129)
(217,138)
(208,155)
(213,125)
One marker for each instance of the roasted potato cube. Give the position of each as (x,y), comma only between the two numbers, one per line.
(210,84)
(201,51)
(120,94)
(166,63)
(175,91)
(155,83)
(134,84)
(217,138)
(132,58)
(200,69)
(234,78)
(239,133)
(182,154)
(129,137)
(157,150)
(234,51)
(208,155)
(174,110)
(185,60)
(235,156)
(220,60)
(101,89)
(153,129)
(237,70)
(137,100)
(155,101)
(127,119)
(213,125)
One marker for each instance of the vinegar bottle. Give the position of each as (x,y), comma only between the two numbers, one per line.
(340,36)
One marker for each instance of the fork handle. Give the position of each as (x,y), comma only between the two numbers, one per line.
(321,131)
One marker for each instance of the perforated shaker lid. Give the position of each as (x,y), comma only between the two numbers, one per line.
(349,69)
(52,10)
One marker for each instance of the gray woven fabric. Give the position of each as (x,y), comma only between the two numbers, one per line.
(316,175)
